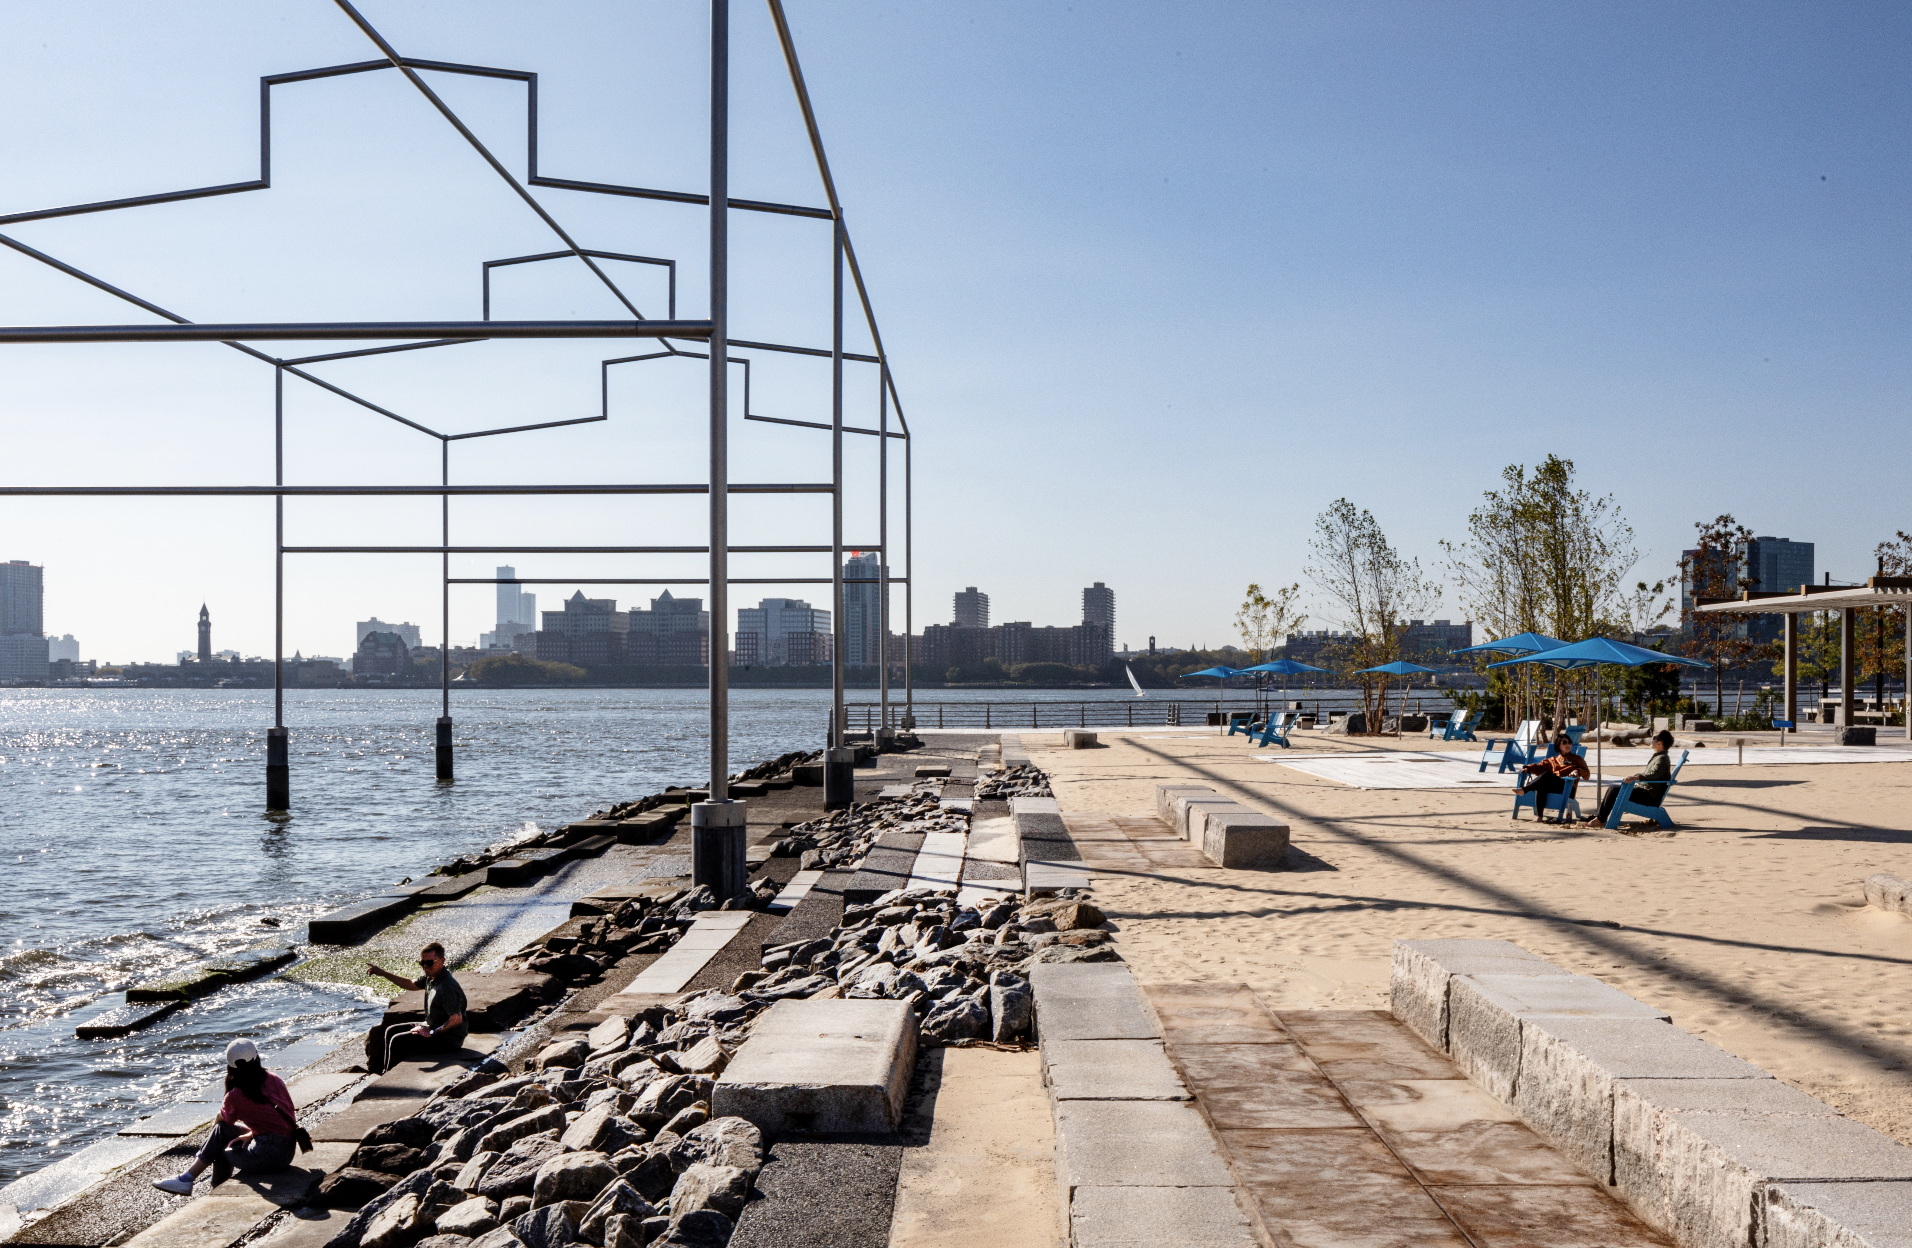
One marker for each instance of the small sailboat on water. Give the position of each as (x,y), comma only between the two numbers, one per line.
(1136,684)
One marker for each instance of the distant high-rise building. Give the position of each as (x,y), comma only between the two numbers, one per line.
(972,609)
(1774,565)
(782,630)
(205,634)
(517,612)
(375,625)
(23,648)
(1433,643)
(22,599)
(862,610)
(62,649)
(1098,607)
(382,652)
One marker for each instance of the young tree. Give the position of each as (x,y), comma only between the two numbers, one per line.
(1881,648)
(1544,555)
(1714,569)
(1264,621)
(1376,589)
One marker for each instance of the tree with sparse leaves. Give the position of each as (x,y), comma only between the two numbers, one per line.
(1376,589)
(1715,569)
(1264,621)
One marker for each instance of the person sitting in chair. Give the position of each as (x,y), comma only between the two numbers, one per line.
(1548,776)
(1649,786)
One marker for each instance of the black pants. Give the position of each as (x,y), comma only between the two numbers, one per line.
(1642,795)
(395,1044)
(1544,783)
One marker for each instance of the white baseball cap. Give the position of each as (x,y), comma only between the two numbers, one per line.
(241,1051)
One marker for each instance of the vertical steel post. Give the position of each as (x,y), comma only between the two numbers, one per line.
(278,755)
(1791,715)
(839,657)
(1908,672)
(883,540)
(442,746)
(718,824)
(719,397)
(909,585)
(1848,643)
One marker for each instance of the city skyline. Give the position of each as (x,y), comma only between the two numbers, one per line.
(1554,246)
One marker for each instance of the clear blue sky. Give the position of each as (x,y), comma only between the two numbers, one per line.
(1159,282)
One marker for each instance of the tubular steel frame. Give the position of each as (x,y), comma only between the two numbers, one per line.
(415,336)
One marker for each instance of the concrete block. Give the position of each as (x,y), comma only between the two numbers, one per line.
(1241,839)
(210,976)
(1052,877)
(1889,892)
(450,887)
(207,1220)
(1182,811)
(175,1120)
(1568,1067)
(351,924)
(1859,734)
(1165,795)
(886,867)
(593,846)
(1089,1001)
(809,775)
(1420,970)
(836,1065)
(1110,1070)
(1648,1135)
(1136,1144)
(933,771)
(1837,1215)
(1078,739)
(1485,1012)
(1131,1217)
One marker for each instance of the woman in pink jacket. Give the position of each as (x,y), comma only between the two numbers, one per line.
(257,1130)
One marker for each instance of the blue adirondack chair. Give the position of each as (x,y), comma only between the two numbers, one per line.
(1276,730)
(1623,805)
(1458,727)
(1241,721)
(1511,752)
(1569,787)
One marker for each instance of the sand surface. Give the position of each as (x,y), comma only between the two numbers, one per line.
(1747,924)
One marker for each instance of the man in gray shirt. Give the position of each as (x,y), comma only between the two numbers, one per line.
(443,1030)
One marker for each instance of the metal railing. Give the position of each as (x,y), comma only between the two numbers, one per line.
(866,717)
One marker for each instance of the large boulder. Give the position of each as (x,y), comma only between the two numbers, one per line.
(722,1142)
(705,1228)
(516,1172)
(550,1227)
(505,1134)
(445,1241)
(648,1169)
(501,1237)
(703,1186)
(601,1129)
(352,1188)
(388,1158)
(1011,1006)
(569,1053)
(620,1198)
(571,1176)
(399,1225)
(624,1230)
(661,1100)
(956,1018)
(473,1172)
(414,1132)
(471,1218)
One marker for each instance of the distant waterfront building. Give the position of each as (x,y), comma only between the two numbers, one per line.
(1317,648)
(205,634)
(23,647)
(1435,642)
(972,609)
(675,630)
(863,610)
(62,649)
(409,632)
(382,654)
(944,646)
(589,632)
(1098,607)
(782,631)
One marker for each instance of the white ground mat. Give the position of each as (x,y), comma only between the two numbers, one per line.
(1405,769)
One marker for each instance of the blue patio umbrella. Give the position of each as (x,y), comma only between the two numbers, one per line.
(1519,643)
(1286,667)
(1222,674)
(1600,652)
(1397,668)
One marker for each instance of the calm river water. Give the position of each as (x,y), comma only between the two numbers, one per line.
(133,840)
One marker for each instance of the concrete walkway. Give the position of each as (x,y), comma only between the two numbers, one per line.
(1344,1129)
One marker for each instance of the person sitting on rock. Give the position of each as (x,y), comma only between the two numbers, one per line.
(1649,787)
(1548,776)
(257,1131)
(443,1030)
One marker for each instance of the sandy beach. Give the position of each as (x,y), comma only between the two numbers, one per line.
(1747,923)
